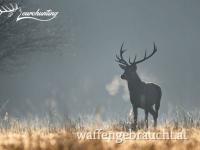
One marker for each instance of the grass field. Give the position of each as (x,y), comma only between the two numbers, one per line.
(42,135)
(59,140)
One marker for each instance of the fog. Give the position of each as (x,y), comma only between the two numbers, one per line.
(82,76)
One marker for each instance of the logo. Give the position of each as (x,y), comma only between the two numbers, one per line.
(38,15)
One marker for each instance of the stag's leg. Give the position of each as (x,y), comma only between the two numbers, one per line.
(135,113)
(153,113)
(157,106)
(146,118)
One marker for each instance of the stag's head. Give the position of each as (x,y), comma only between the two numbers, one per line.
(131,67)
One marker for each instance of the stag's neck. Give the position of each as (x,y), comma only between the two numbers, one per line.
(135,85)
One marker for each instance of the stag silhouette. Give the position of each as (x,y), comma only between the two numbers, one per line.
(142,95)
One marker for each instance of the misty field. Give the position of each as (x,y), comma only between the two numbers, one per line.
(43,134)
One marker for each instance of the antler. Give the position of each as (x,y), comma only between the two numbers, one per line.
(120,58)
(145,56)
(10,9)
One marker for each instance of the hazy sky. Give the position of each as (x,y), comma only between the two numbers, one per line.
(85,76)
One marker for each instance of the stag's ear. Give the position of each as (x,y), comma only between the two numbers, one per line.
(122,66)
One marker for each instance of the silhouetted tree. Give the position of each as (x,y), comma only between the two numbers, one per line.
(17,39)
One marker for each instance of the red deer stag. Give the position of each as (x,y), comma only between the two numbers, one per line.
(142,95)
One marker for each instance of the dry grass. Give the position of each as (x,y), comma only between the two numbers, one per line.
(42,135)
(59,139)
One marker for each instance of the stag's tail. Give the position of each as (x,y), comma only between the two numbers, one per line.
(157,105)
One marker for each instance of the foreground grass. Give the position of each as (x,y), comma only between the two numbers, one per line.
(19,137)
(61,139)
(45,135)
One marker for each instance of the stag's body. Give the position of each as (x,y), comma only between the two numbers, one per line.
(142,95)
(145,96)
